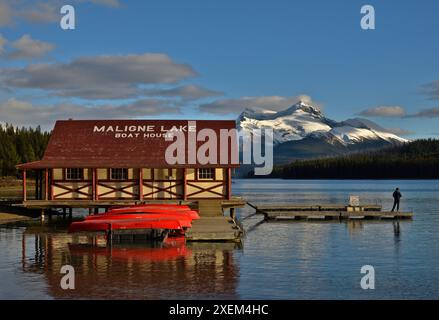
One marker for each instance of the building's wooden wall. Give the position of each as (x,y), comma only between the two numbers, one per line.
(163,184)
(206,189)
(63,189)
(156,184)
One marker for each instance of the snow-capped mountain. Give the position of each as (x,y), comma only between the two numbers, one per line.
(304,120)
(302,131)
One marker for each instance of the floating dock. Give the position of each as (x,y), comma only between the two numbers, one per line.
(328,212)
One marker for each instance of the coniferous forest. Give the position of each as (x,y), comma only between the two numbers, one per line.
(19,145)
(415,160)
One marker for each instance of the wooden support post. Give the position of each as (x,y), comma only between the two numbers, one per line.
(141,184)
(24,186)
(36,185)
(40,185)
(229,183)
(42,215)
(70,213)
(232,213)
(64,212)
(96,188)
(184,184)
(96,211)
(51,185)
(93,184)
(90,211)
(46,185)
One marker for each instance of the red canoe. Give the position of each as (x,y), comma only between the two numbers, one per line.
(185,220)
(105,225)
(156,219)
(155,208)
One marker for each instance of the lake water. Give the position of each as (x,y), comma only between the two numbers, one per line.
(278,260)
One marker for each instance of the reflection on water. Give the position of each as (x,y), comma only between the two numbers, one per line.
(322,260)
(279,260)
(132,271)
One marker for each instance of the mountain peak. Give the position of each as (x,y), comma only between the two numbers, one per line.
(269,114)
(307,107)
(303,120)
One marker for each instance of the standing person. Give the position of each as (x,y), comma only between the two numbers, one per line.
(396,198)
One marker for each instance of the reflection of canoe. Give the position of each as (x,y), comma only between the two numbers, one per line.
(154,221)
(114,225)
(138,254)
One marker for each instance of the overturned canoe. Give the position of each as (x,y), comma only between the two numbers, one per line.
(152,221)
(155,208)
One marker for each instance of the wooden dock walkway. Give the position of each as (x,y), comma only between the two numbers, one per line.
(319,207)
(328,212)
(234,202)
(213,225)
(218,228)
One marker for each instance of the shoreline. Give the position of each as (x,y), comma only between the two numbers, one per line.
(6,218)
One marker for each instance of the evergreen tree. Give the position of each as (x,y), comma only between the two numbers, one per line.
(415,160)
(20,145)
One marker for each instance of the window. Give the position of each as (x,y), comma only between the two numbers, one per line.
(206,173)
(119,174)
(74,174)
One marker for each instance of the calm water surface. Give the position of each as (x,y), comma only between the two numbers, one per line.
(278,260)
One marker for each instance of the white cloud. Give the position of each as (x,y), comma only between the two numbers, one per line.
(261,103)
(99,77)
(107,3)
(5,14)
(13,11)
(401,132)
(426,113)
(42,12)
(28,48)
(186,92)
(431,90)
(384,111)
(24,113)
(3,42)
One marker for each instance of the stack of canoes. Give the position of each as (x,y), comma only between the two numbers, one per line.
(155,221)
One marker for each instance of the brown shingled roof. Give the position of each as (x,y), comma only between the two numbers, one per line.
(84,144)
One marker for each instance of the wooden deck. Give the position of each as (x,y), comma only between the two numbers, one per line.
(318,207)
(219,229)
(328,212)
(212,226)
(48,204)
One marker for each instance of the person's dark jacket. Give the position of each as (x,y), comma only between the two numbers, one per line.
(397,195)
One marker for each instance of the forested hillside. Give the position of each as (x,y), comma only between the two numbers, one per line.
(18,145)
(415,160)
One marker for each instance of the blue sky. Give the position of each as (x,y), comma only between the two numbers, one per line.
(215,53)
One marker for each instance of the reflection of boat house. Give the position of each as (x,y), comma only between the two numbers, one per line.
(102,163)
(195,271)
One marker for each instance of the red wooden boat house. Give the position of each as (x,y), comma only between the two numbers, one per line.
(100,163)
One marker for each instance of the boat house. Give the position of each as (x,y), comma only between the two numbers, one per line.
(99,163)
